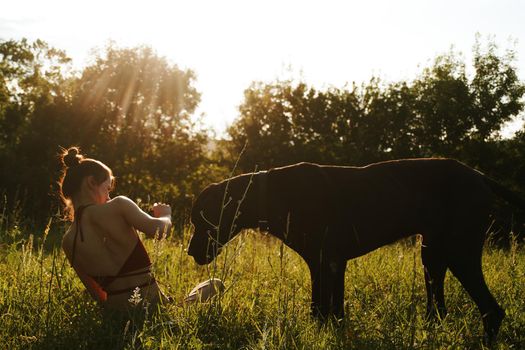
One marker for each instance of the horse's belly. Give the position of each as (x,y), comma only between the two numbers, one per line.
(366,233)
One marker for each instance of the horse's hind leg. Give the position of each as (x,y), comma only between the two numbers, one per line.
(465,264)
(433,258)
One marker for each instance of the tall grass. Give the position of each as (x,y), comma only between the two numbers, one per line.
(43,305)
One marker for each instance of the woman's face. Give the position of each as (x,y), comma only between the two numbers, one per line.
(102,191)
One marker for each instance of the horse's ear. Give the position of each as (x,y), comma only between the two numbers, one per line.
(205,194)
(208,200)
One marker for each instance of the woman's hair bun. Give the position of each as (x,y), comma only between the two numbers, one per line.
(72,157)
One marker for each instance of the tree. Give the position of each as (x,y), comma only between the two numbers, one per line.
(443,107)
(31,75)
(389,127)
(135,108)
(33,79)
(131,109)
(265,125)
(496,89)
(443,112)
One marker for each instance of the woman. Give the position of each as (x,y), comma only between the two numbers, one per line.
(102,244)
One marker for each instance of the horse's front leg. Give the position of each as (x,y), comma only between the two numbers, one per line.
(327,288)
(338,291)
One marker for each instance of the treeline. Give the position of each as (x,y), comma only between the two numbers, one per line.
(129,108)
(443,112)
(135,111)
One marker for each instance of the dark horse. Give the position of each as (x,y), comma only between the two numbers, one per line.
(329,214)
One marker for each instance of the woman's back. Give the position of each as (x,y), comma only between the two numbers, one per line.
(107,240)
(105,250)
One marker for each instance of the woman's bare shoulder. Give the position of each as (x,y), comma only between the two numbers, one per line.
(110,217)
(120,207)
(120,202)
(105,213)
(111,207)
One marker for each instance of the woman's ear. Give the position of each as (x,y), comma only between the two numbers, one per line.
(91,182)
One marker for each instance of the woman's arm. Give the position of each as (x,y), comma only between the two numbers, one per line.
(156,226)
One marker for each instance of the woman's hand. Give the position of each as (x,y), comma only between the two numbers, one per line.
(161,210)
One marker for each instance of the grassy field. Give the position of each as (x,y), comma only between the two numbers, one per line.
(266,304)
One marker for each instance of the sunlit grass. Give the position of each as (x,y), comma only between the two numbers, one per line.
(265,306)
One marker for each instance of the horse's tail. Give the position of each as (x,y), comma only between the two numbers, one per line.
(503,192)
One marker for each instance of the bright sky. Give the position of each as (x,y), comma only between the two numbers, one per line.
(231,43)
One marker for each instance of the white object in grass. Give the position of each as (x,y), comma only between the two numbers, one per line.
(205,290)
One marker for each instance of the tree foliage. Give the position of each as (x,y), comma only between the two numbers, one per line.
(130,108)
(442,112)
(33,83)
(137,110)
(134,110)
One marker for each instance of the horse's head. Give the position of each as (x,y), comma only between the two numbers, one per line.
(219,213)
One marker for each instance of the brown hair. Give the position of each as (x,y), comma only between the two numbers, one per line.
(75,167)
